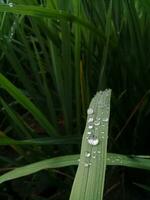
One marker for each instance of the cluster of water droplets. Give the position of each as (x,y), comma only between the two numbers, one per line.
(115,159)
(88,155)
(93,135)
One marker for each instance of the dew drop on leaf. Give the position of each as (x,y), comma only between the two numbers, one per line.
(87,154)
(93,140)
(90,119)
(90,111)
(86,164)
(97,123)
(105,120)
(11,5)
(89,133)
(90,126)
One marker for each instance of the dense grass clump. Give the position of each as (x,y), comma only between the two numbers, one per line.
(55,55)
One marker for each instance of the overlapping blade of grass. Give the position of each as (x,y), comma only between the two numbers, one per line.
(39,63)
(144,187)
(14,60)
(25,131)
(5,140)
(35,167)
(102,77)
(90,176)
(63,161)
(38,11)
(66,62)
(77,52)
(25,101)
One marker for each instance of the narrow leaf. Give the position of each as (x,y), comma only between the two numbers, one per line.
(63,161)
(25,101)
(90,176)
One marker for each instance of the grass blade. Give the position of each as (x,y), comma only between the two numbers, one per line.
(5,140)
(24,101)
(38,11)
(35,167)
(20,124)
(90,176)
(63,161)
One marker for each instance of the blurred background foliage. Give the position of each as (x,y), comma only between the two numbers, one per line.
(59,61)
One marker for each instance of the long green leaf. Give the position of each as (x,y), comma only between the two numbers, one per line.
(38,11)
(24,101)
(5,140)
(63,161)
(90,176)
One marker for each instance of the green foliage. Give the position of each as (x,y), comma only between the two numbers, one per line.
(55,55)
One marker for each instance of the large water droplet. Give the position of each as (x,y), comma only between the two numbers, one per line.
(87,154)
(90,111)
(98,152)
(93,140)
(90,119)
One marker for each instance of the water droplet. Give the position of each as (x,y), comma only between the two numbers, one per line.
(93,140)
(11,5)
(94,152)
(90,111)
(94,156)
(98,118)
(97,123)
(99,152)
(78,160)
(105,120)
(87,154)
(86,164)
(90,126)
(89,133)
(90,119)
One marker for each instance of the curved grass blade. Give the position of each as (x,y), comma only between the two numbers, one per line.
(145,187)
(38,11)
(35,167)
(63,161)
(90,176)
(5,140)
(26,103)
(16,118)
